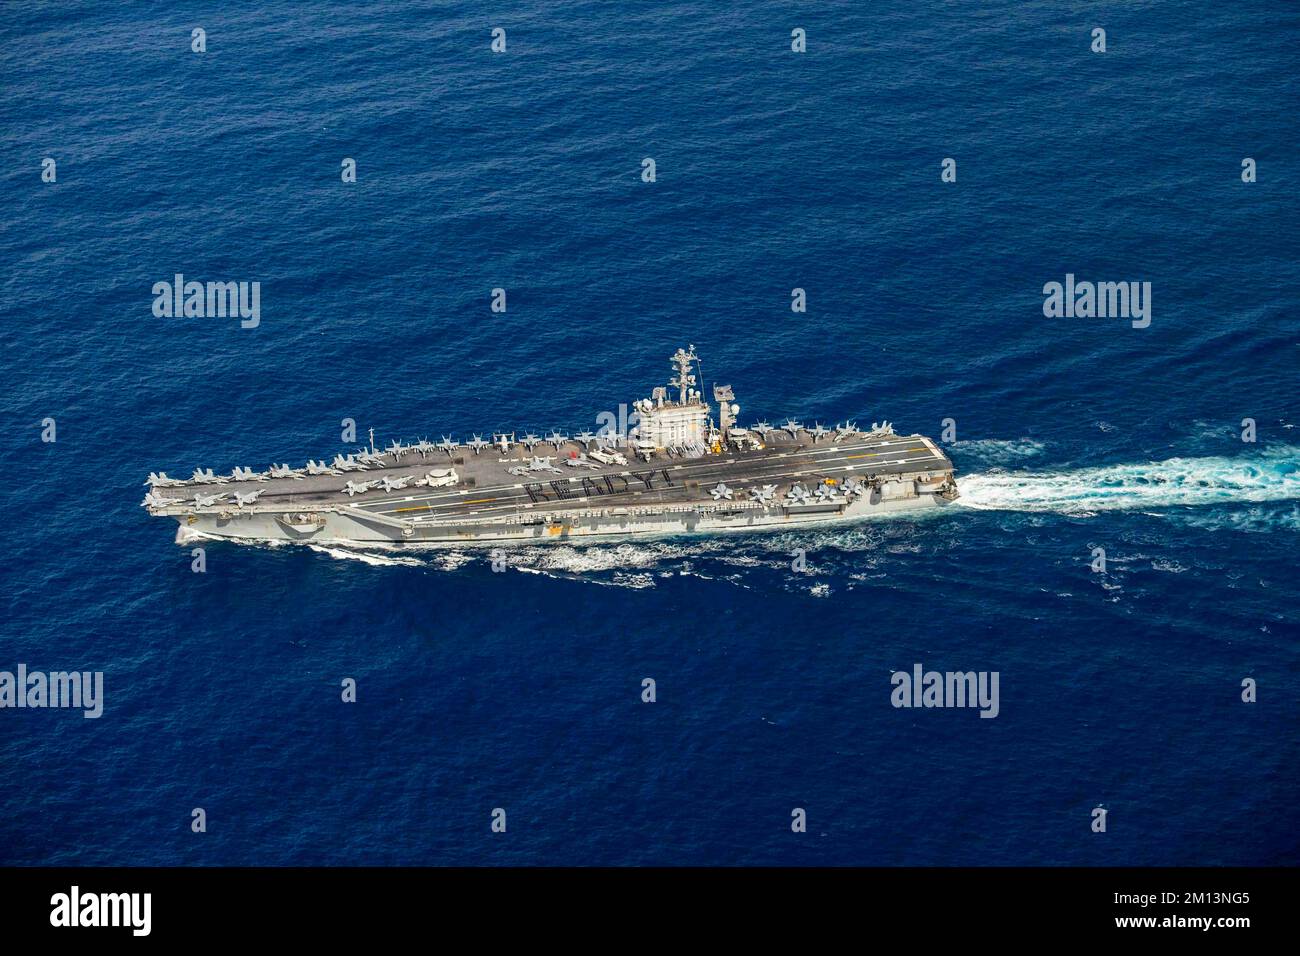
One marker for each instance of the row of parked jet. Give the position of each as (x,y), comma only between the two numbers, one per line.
(364,459)
(765,495)
(239,498)
(438,478)
(819,431)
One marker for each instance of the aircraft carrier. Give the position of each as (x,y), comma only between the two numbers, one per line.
(676,468)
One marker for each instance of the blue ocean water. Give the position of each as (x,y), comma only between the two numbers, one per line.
(775,170)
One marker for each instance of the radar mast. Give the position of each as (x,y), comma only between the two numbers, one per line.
(683,359)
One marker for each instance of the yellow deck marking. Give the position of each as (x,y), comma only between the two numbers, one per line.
(474,501)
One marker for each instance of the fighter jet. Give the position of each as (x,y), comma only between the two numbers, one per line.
(154,500)
(826,491)
(721,491)
(357,487)
(448,444)
(247,474)
(530,441)
(284,471)
(792,426)
(853,486)
(478,444)
(320,468)
(817,431)
(207,476)
(394,484)
(519,471)
(541,464)
(762,428)
(845,430)
(581,460)
(557,439)
(207,501)
(348,463)
(246,498)
(369,458)
(608,438)
(397,450)
(798,495)
(763,495)
(585,437)
(160,480)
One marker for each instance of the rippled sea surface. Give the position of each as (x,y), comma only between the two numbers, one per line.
(775,170)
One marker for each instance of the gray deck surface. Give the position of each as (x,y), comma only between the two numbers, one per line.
(487,488)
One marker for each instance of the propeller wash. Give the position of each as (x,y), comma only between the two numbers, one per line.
(678,470)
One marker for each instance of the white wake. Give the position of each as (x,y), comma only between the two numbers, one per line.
(1270,475)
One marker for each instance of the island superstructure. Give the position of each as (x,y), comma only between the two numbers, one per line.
(677,468)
